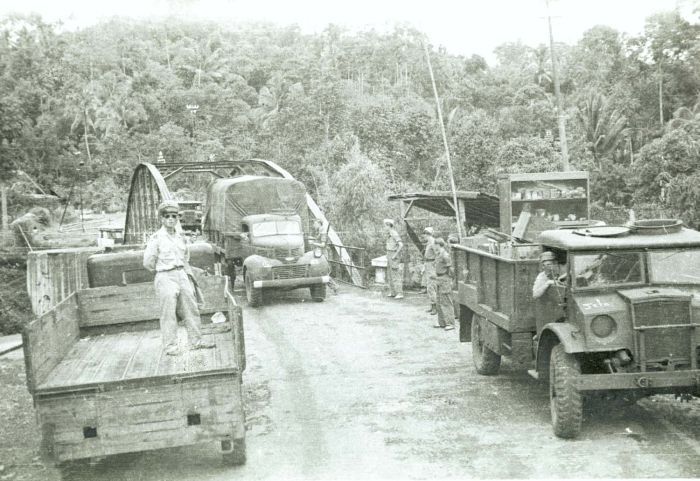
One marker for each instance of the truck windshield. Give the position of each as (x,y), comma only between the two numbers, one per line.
(675,266)
(608,269)
(285,227)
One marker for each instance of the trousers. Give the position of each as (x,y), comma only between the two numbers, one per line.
(445,304)
(394,273)
(176,298)
(431,281)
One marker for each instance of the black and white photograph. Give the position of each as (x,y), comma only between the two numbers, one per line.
(359,240)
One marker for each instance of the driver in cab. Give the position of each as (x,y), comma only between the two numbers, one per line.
(549,276)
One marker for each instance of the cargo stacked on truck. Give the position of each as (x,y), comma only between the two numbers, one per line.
(261,224)
(620,316)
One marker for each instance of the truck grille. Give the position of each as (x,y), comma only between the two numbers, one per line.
(664,343)
(279,254)
(289,271)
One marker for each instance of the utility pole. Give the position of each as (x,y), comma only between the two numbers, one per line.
(444,141)
(557,95)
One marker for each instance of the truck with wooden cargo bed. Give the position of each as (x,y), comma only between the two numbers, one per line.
(102,385)
(622,319)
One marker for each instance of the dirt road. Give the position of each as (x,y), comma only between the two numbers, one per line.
(362,387)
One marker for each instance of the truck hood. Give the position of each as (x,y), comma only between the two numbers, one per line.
(282,241)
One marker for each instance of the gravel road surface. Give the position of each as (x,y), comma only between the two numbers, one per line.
(362,387)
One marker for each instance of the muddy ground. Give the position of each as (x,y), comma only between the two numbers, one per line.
(362,387)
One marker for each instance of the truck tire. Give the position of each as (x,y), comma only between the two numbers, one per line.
(318,293)
(565,401)
(237,455)
(252,294)
(486,361)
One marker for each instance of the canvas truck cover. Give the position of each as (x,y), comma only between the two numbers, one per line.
(229,200)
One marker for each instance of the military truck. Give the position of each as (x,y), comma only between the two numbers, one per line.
(191,215)
(261,225)
(102,386)
(621,319)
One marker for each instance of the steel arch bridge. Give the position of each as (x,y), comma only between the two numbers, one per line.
(149,187)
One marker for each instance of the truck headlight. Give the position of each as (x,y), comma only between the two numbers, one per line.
(603,326)
(318,252)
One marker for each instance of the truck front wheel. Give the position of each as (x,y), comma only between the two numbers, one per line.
(486,361)
(565,401)
(253,294)
(318,292)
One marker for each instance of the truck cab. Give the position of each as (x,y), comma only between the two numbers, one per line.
(628,301)
(274,257)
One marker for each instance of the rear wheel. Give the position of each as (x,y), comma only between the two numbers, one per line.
(318,292)
(486,361)
(236,456)
(253,294)
(565,400)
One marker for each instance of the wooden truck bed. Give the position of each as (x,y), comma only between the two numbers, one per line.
(102,385)
(496,287)
(136,356)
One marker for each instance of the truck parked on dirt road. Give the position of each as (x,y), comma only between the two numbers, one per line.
(261,224)
(622,320)
(102,385)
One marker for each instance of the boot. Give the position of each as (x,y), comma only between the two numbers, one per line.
(432,310)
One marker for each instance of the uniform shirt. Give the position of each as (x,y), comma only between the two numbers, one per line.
(540,286)
(443,262)
(393,240)
(431,250)
(165,252)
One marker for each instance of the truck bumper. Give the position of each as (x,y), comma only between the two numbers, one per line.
(300,282)
(639,380)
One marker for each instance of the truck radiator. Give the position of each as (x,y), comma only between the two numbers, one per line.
(279,254)
(293,271)
(664,333)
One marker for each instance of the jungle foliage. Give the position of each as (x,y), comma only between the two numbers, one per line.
(351,115)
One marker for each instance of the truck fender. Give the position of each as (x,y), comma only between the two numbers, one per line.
(557,333)
(253,264)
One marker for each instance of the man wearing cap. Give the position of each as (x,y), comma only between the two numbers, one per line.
(429,257)
(548,276)
(443,276)
(394,267)
(168,255)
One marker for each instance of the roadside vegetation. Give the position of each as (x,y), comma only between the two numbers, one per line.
(340,106)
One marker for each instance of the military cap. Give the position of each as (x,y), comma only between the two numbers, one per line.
(389,222)
(547,256)
(429,230)
(168,206)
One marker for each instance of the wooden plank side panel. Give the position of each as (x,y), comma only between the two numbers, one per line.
(53,275)
(524,316)
(48,339)
(146,418)
(235,316)
(505,276)
(101,306)
(489,282)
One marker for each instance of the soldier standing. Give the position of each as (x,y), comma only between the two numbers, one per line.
(443,275)
(168,256)
(430,279)
(394,246)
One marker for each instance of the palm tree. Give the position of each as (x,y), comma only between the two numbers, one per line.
(604,126)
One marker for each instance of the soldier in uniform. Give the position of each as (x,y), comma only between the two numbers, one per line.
(168,256)
(430,279)
(394,267)
(443,276)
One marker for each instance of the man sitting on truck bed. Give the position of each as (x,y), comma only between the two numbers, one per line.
(168,255)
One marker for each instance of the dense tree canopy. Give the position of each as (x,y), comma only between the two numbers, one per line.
(337,105)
